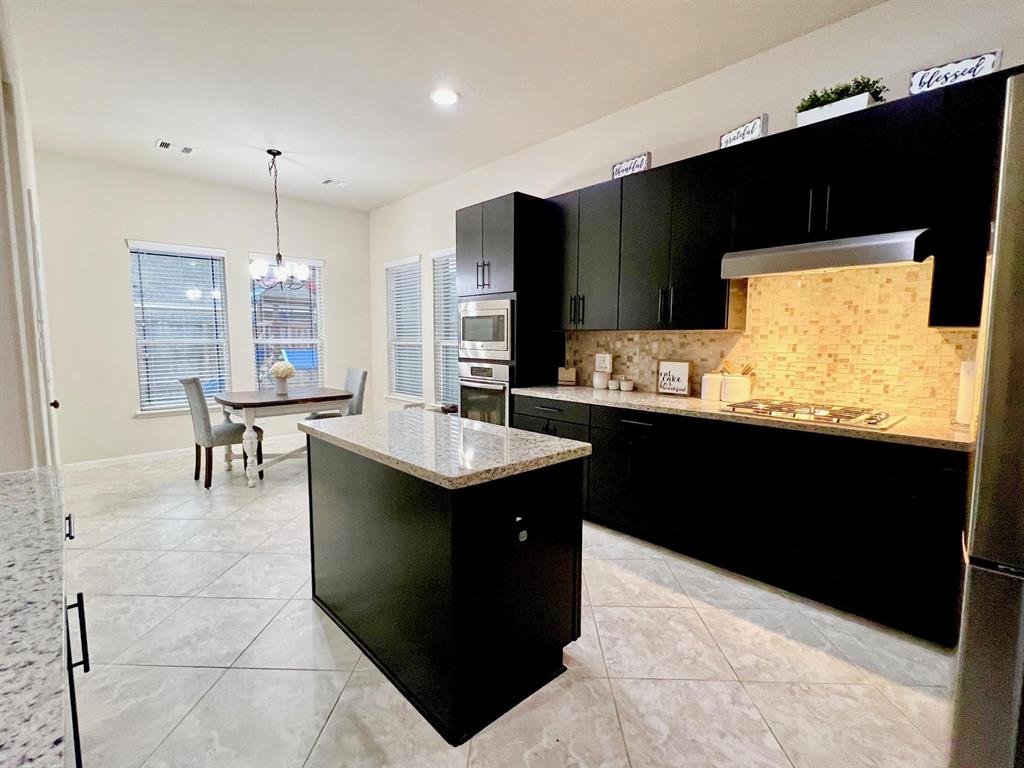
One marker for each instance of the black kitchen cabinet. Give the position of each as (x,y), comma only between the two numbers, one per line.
(645,239)
(567,209)
(499,239)
(702,199)
(597,292)
(561,419)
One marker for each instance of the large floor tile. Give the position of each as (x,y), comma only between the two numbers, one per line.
(569,722)
(584,657)
(633,583)
(841,726)
(145,507)
(605,544)
(205,632)
(290,538)
(205,507)
(710,587)
(888,656)
(373,726)
(176,573)
(227,536)
(253,718)
(262,575)
(272,507)
(694,723)
(301,636)
(92,531)
(783,646)
(659,643)
(113,622)
(99,571)
(156,534)
(930,709)
(125,712)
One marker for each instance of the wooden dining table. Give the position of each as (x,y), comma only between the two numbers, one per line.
(254,404)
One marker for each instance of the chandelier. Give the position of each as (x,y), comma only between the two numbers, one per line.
(281,274)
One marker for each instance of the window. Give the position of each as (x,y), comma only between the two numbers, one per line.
(446,330)
(287,324)
(405,340)
(180,322)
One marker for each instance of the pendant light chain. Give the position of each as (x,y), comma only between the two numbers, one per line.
(290,276)
(272,170)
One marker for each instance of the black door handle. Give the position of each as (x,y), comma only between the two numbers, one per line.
(637,423)
(84,663)
(671,304)
(69,527)
(810,209)
(479,282)
(661,306)
(583,308)
(547,408)
(572,310)
(55,404)
(828,202)
(487,274)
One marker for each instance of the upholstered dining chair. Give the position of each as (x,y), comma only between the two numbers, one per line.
(209,435)
(355,382)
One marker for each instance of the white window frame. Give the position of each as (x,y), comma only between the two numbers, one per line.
(439,342)
(319,264)
(388,324)
(173,249)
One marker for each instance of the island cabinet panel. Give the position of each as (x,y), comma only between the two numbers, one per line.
(598,285)
(644,248)
(464,598)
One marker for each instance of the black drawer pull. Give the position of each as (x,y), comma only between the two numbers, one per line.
(637,423)
(69,527)
(547,408)
(84,663)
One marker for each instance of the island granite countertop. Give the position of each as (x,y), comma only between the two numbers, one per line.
(444,449)
(908,431)
(32,671)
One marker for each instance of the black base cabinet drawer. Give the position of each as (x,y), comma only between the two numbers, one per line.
(559,410)
(560,429)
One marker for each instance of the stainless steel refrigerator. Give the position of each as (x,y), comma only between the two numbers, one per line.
(988,728)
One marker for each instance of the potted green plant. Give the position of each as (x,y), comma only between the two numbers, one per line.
(859,93)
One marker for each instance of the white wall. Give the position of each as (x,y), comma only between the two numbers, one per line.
(889,41)
(87,209)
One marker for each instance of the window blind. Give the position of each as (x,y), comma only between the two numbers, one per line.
(405,340)
(446,330)
(287,324)
(180,325)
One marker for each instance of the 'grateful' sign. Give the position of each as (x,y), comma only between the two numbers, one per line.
(755,129)
(954,72)
(633,165)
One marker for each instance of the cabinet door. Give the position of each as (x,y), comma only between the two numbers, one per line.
(644,249)
(469,250)
(702,193)
(610,503)
(568,218)
(599,222)
(499,217)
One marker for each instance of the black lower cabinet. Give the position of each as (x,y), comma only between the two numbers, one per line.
(79,607)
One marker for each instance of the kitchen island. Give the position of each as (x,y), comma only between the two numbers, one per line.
(449,551)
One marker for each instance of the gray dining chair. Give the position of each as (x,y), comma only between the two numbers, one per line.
(355,382)
(209,435)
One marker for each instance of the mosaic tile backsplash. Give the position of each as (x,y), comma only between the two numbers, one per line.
(850,337)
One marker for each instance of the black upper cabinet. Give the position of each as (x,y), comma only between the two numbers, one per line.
(567,208)
(490,236)
(702,201)
(645,237)
(597,293)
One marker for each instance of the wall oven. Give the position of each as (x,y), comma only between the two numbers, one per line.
(485,329)
(483,392)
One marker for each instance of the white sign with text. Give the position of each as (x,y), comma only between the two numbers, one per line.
(673,378)
(754,129)
(954,72)
(632,165)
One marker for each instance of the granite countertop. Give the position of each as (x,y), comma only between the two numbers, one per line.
(908,430)
(444,449)
(32,671)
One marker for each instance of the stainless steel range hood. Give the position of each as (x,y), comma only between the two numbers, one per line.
(913,245)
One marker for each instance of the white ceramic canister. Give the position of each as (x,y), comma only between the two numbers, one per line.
(626,385)
(735,388)
(711,386)
(600,380)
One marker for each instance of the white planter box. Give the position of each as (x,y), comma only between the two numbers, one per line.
(835,109)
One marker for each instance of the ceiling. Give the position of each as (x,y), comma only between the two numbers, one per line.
(342,87)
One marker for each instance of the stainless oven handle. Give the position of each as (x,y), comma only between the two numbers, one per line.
(482,384)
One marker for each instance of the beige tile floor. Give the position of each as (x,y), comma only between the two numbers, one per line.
(209,653)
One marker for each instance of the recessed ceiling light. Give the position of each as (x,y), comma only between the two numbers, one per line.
(444,96)
(334,183)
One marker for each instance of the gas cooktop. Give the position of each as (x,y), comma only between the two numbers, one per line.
(853,416)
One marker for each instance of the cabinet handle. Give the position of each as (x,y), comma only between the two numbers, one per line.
(661,305)
(84,663)
(55,404)
(583,308)
(69,527)
(637,423)
(828,200)
(572,310)
(547,408)
(487,274)
(479,282)
(671,304)
(810,209)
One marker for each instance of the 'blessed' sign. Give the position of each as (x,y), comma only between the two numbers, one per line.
(954,72)
(755,129)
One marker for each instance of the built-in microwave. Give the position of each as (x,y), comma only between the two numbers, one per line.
(483,392)
(485,329)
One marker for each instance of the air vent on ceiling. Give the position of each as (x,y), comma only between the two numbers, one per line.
(334,183)
(172,147)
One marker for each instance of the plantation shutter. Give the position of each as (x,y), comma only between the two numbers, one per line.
(446,330)
(180,324)
(287,324)
(405,340)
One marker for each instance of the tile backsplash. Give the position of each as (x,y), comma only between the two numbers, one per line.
(852,337)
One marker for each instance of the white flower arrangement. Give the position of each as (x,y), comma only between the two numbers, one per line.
(282,370)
